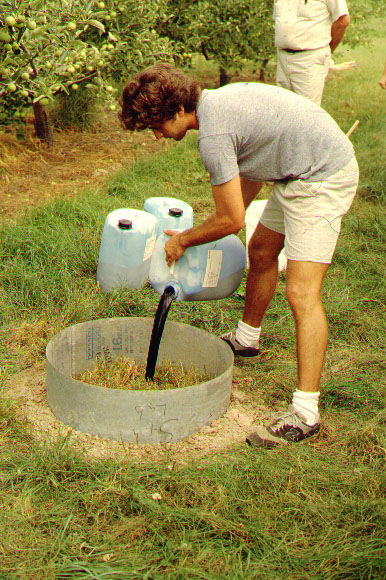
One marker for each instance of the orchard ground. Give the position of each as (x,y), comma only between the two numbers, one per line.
(32,173)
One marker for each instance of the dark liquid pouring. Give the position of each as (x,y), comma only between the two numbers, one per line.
(158,327)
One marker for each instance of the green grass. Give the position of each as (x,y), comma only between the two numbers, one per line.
(315,512)
(354,94)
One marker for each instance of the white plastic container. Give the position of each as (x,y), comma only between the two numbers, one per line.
(171,213)
(252,217)
(126,248)
(207,272)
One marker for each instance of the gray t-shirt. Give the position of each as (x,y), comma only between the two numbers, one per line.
(267,133)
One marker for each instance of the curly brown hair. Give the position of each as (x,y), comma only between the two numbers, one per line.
(155,95)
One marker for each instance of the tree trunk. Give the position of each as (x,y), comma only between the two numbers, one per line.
(224,77)
(262,70)
(42,125)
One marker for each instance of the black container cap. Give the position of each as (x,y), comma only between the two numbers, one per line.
(176,211)
(125,224)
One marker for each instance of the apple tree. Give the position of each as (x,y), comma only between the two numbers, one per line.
(362,14)
(55,47)
(230,33)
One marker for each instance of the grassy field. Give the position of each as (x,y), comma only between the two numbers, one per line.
(309,512)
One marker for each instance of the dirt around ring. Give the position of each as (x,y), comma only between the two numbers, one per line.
(28,390)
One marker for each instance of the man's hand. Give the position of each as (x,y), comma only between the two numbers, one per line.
(229,199)
(382,82)
(173,247)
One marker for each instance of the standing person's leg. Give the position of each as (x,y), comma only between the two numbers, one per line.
(264,247)
(283,78)
(263,250)
(304,287)
(308,72)
(313,214)
(303,290)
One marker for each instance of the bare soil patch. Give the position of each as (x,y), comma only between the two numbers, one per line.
(32,173)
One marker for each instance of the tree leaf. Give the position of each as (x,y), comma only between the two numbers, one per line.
(96,24)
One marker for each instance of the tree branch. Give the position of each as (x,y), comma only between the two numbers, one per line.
(31,60)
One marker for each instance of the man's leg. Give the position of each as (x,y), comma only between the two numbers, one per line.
(304,285)
(264,247)
(263,250)
(283,79)
(309,70)
(313,213)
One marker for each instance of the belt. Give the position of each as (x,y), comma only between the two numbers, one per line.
(291,50)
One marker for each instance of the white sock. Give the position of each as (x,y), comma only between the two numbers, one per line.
(307,405)
(247,335)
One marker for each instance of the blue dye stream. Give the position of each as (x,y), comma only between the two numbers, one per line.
(164,304)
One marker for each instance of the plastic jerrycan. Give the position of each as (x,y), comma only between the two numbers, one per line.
(207,272)
(171,213)
(126,248)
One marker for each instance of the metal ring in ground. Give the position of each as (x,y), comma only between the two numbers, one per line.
(141,417)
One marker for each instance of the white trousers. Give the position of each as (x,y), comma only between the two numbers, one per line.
(304,72)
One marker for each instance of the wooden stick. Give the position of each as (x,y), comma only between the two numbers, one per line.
(350,131)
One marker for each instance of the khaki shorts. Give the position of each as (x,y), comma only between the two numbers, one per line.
(309,214)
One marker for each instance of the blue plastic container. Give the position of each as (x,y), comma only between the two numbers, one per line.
(207,272)
(126,249)
(171,213)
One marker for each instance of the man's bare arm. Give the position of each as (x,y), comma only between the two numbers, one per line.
(227,219)
(338,30)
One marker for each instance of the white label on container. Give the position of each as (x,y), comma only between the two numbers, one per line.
(149,248)
(213,269)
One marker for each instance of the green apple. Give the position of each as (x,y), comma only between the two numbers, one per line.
(74,87)
(71,26)
(11,87)
(31,24)
(25,76)
(10,21)
(4,36)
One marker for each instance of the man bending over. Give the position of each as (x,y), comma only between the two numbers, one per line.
(249,133)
